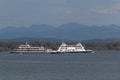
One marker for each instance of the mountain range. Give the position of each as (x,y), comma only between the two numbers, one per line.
(69,31)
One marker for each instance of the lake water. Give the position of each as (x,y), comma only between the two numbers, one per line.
(103,65)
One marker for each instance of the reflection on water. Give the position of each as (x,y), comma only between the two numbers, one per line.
(104,65)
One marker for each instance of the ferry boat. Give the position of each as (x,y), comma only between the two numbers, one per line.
(26,48)
(78,48)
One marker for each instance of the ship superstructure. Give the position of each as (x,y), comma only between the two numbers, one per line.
(78,48)
(26,48)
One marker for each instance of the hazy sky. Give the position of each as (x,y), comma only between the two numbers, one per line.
(56,12)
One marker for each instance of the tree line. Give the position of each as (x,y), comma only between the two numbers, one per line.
(110,45)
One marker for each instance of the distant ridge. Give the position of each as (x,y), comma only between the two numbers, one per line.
(69,31)
(32,40)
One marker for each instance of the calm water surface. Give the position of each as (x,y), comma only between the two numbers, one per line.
(104,65)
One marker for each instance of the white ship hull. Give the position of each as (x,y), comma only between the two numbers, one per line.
(87,51)
(27,52)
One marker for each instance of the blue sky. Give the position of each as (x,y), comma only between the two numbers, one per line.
(57,12)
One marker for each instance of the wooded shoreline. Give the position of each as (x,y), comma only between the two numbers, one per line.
(92,45)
